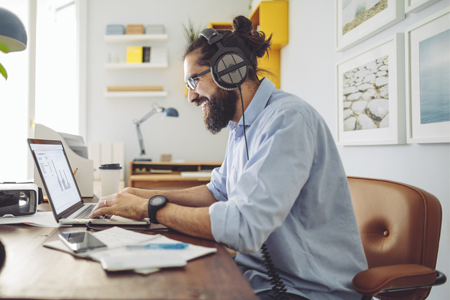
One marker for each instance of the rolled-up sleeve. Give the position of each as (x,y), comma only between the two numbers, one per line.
(218,184)
(281,155)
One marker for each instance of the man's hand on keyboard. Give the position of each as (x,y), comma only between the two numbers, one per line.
(122,204)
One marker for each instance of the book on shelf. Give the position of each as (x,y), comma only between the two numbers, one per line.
(138,54)
(146,54)
(135,88)
(134,54)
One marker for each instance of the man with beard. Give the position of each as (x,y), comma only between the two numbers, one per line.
(280,192)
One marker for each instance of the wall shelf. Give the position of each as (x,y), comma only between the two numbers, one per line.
(124,66)
(159,60)
(135,94)
(124,38)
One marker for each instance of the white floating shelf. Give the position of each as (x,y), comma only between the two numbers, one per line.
(123,38)
(135,94)
(124,66)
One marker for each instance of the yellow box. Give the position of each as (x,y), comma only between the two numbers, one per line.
(134,54)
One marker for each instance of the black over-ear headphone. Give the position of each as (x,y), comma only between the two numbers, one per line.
(229,66)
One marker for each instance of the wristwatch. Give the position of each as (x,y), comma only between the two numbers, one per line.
(154,204)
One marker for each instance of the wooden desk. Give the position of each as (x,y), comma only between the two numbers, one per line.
(167,175)
(32,271)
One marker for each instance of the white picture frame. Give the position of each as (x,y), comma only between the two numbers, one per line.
(377,17)
(413,6)
(427,116)
(376,73)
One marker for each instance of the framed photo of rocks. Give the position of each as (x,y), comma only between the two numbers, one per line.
(371,94)
(357,20)
(427,45)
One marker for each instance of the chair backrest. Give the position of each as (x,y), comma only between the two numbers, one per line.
(398,223)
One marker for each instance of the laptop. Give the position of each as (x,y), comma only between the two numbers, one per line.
(62,190)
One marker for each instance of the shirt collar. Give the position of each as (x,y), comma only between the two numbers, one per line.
(257,105)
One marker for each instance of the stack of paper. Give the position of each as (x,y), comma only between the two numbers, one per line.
(117,257)
(40,219)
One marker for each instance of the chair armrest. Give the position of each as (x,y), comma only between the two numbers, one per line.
(375,280)
(441,278)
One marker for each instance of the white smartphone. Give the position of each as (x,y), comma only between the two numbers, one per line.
(81,241)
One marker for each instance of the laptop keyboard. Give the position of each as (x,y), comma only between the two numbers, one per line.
(85,213)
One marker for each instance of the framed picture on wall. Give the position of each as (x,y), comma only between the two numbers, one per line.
(357,20)
(427,45)
(370,95)
(412,6)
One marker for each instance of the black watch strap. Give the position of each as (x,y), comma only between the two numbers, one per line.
(155,203)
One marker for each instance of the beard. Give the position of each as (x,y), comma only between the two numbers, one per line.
(221,109)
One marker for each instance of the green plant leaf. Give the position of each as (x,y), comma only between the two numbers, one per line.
(3,71)
(191,33)
(4,48)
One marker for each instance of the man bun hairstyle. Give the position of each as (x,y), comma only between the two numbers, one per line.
(252,43)
(255,39)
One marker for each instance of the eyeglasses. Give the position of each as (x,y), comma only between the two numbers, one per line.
(191,82)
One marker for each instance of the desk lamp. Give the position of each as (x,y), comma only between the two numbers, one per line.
(13,36)
(167,112)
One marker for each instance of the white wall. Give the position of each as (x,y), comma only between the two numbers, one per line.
(110,119)
(308,70)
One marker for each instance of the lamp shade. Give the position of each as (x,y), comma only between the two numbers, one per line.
(2,255)
(13,36)
(170,112)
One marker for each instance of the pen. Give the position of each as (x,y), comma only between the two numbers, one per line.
(75,172)
(177,246)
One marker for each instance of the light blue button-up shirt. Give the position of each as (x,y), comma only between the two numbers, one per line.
(292,194)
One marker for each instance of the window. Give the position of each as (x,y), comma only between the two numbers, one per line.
(56,73)
(14,105)
(55,103)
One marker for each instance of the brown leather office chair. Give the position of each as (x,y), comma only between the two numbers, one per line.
(400,227)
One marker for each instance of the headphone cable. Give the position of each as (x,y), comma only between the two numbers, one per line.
(243,121)
(275,280)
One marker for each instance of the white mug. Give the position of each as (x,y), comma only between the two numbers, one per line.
(110,178)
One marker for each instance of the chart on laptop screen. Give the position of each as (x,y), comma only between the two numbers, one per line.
(57,176)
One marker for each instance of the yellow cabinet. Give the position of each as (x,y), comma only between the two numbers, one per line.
(221,25)
(272,17)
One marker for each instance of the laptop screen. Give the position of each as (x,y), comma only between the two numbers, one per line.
(56,174)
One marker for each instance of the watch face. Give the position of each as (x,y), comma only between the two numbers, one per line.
(157,200)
